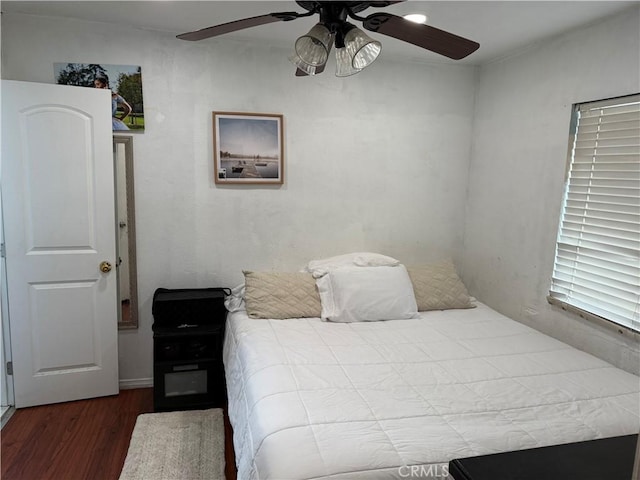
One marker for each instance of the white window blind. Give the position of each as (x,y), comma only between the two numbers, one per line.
(597,264)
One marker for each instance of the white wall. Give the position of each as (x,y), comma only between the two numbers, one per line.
(519,155)
(374,162)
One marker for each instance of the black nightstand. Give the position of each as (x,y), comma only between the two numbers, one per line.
(188,334)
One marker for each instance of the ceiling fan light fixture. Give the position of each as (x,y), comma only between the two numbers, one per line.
(363,49)
(313,48)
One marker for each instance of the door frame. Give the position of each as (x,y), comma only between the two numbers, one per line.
(5,332)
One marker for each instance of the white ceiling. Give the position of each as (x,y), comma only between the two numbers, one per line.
(501,27)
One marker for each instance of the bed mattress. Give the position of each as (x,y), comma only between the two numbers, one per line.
(318,400)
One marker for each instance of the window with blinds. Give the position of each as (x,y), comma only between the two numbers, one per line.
(597,264)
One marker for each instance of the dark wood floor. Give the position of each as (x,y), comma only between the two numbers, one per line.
(82,440)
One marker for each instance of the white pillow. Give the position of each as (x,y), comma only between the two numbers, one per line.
(235,301)
(366,294)
(321,267)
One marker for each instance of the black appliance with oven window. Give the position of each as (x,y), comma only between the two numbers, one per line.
(188,332)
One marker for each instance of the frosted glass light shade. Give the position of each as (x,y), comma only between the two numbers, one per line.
(344,63)
(305,67)
(362,48)
(313,48)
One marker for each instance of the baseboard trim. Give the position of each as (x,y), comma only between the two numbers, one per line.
(6,415)
(129,383)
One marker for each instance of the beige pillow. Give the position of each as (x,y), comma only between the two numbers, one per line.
(281,295)
(438,287)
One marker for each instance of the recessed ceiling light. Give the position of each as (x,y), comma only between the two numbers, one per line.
(416,17)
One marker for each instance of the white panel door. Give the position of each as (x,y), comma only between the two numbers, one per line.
(59,220)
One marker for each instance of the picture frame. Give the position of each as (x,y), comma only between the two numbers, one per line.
(248,148)
(124,82)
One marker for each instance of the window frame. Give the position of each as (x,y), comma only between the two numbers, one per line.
(555,297)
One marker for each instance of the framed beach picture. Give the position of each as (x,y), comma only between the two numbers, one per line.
(124,82)
(248,148)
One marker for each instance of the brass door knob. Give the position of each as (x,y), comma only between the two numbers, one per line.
(105,267)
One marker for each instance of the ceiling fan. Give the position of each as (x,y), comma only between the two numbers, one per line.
(354,49)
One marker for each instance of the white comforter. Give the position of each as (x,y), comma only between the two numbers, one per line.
(310,399)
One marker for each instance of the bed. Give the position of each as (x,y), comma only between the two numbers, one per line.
(317,399)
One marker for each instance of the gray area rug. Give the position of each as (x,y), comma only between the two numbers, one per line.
(176,446)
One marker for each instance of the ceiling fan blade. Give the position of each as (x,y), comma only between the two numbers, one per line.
(424,36)
(239,25)
(302,73)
